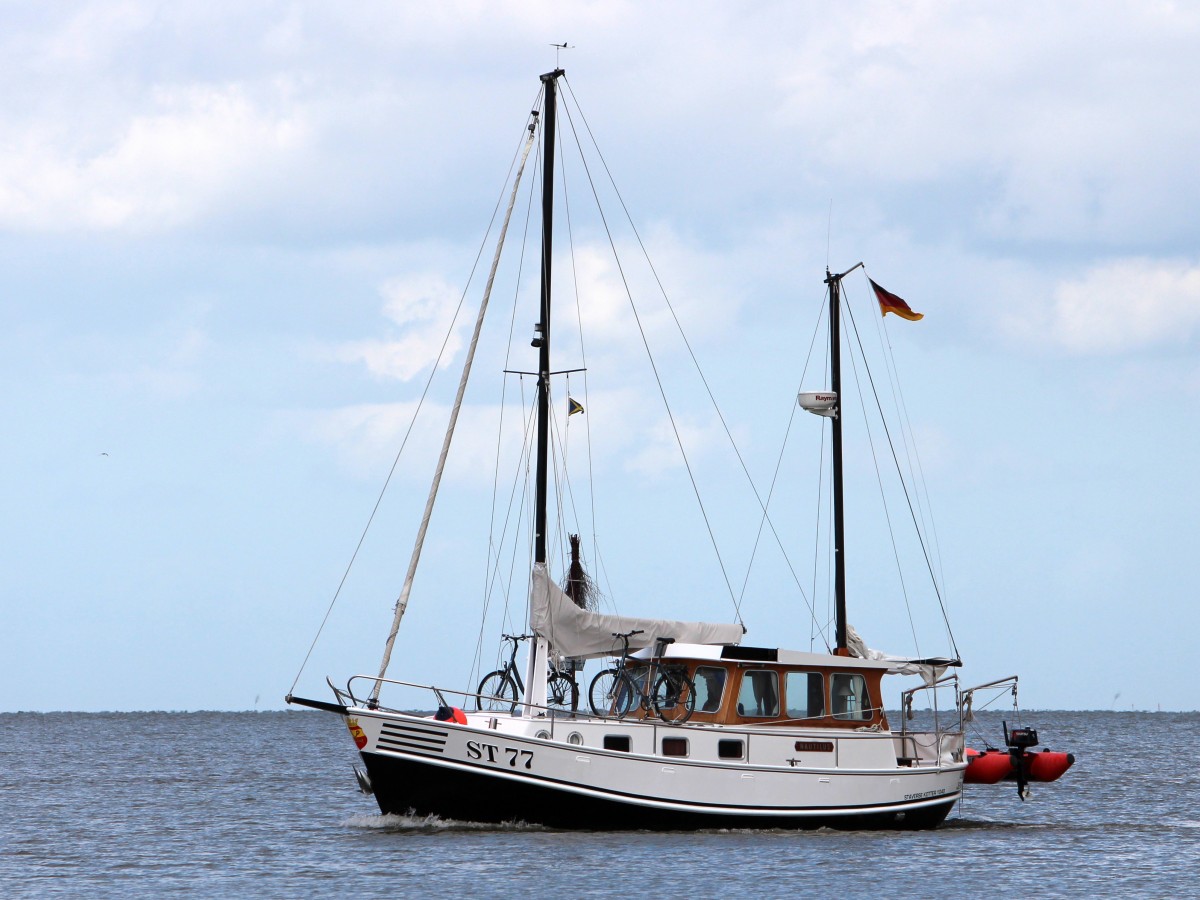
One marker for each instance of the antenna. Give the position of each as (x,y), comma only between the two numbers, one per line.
(558,48)
(828,232)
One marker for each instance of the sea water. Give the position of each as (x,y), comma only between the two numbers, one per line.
(265,805)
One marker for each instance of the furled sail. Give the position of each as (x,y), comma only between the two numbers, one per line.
(575,632)
(929,669)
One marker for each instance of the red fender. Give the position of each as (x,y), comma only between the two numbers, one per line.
(451,714)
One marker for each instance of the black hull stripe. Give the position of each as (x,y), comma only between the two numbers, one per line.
(560,786)
(405,785)
(440,740)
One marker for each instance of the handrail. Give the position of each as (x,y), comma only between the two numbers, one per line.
(991,684)
(437,691)
(929,687)
(555,717)
(906,698)
(966,698)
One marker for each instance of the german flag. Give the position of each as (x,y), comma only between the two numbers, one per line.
(890,303)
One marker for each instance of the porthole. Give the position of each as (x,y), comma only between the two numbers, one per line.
(674,746)
(575,738)
(543,735)
(730,749)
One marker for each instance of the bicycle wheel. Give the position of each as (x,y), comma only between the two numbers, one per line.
(611,694)
(674,696)
(497,692)
(560,690)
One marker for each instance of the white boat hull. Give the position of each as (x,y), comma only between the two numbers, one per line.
(496,769)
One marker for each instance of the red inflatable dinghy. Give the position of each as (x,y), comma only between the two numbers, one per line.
(987,766)
(1047,765)
(991,766)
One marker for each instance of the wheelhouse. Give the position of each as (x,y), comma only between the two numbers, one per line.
(764,686)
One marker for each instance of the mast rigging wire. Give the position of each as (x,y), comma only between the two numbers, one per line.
(408,431)
(810,603)
(646,344)
(910,448)
(490,577)
(493,574)
(878,475)
(405,592)
(904,486)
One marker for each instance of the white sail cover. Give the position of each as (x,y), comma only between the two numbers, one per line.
(929,670)
(575,632)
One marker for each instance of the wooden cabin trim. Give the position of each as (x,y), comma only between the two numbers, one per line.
(727,713)
(735,670)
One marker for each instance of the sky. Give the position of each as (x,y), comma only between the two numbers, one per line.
(232,238)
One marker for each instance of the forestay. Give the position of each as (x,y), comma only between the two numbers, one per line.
(576,632)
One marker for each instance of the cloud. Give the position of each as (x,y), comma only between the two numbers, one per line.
(167,364)
(1127,305)
(141,117)
(162,168)
(658,449)
(365,435)
(626,430)
(422,307)
(1030,123)
(366,438)
(696,281)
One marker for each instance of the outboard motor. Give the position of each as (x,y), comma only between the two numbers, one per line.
(1018,741)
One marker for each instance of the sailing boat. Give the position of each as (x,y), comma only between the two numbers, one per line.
(689,729)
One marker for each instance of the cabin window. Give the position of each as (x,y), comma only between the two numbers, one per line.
(710,685)
(849,695)
(617,742)
(805,695)
(674,746)
(730,749)
(759,695)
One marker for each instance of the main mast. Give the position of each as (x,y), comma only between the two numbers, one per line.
(542,339)
(835,386)
(535,673)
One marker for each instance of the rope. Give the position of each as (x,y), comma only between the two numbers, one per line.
(512,322)
(771,492)
(402,601)
(917,471)
(408,432)
(517,502)
(587,423)
(878,475)
(646,344)
(904,486)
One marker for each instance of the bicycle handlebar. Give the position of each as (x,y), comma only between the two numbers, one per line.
(629,633)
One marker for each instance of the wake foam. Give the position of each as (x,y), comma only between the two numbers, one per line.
(430,824)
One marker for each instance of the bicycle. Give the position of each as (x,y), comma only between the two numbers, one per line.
(613,691)
(500,689)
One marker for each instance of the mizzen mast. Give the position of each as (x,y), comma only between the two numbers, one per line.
(839,530)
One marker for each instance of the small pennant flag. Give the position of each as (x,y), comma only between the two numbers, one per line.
(890,303)
(573,406)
